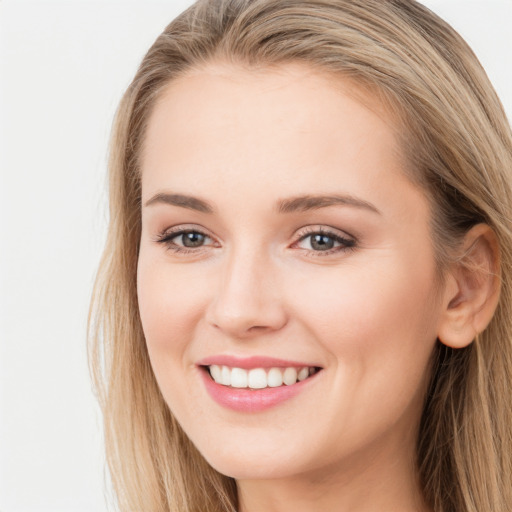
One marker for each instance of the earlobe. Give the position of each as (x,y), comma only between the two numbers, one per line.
(472,288)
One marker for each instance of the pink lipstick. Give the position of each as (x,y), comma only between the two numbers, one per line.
(256,383)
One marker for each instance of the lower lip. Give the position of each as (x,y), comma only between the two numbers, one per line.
(252,400)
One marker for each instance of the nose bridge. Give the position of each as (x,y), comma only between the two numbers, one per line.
(247,299)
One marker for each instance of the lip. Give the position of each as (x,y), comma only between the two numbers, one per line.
(252,400)
(249,363)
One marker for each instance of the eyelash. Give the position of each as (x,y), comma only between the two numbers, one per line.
(166,238)
(346,244)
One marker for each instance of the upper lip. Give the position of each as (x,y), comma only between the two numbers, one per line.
(249,363)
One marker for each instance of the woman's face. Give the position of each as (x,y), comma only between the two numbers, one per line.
(281,240)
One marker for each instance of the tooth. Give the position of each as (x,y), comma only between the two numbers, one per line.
(303,374)
(290,376)
(226,376)
(216,373)
(238,378)
(275,377)
(257,378)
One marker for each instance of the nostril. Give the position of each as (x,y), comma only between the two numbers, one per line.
(243,325)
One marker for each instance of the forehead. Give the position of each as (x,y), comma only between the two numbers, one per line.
(278,131)
(297,93)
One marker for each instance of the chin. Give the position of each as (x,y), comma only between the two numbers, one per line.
(249,469)
(256,460)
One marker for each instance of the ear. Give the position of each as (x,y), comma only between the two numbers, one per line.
(472,288)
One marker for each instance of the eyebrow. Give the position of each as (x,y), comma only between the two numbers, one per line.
(189,202)
(309,202)
(294,204)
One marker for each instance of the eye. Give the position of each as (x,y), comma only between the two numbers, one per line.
(184,240)
(190,239)
(320,240)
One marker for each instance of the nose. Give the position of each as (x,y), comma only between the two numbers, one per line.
(248,299)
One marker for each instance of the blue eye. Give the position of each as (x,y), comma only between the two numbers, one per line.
(184,240)
(323,241)
(191,239)
(320,242)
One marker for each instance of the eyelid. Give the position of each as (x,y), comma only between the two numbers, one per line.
(325,230)
(346,241)
(182,228)
(166,237)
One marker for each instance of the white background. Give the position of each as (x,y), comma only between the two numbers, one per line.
(63,68)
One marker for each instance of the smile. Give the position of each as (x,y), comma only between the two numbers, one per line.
(254,384)
(259,378)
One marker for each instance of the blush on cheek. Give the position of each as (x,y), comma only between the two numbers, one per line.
(168,304)
(368,310)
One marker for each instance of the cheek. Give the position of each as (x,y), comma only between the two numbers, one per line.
(171,307)
(170,304)
(378,327)
(372,315)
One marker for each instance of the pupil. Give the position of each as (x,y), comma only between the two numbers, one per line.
(192,239)
(322,242)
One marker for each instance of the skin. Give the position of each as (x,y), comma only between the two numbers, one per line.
(243,140)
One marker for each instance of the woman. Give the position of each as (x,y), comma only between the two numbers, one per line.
(304,302)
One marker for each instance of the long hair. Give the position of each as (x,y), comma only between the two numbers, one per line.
(458,145)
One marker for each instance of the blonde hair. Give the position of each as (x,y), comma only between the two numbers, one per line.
(459,145)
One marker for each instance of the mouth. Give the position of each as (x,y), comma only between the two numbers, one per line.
(257,383)
(259,378)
